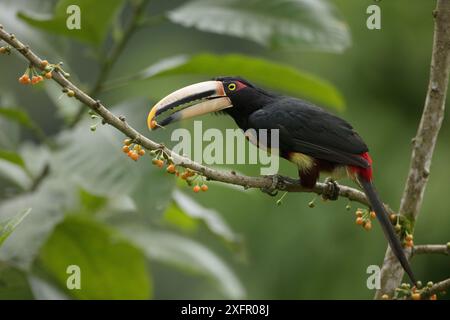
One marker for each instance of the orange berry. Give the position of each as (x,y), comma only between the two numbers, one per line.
(44,63)
(184,175)
(141,152)
(409,244)
(204,187)
(160,163)
(125,149)
(48,75)
(359,221)
(191,173)
(34,80)
(196,189)
(171,168)
(433,297)
(368,225)
(373,214)
(134,155)
(416,296)
(127,142)
(24,79)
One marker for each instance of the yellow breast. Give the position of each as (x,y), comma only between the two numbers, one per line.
(303,161)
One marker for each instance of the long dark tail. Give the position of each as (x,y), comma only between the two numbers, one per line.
(386,225)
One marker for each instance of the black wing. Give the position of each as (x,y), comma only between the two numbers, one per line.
(308,129)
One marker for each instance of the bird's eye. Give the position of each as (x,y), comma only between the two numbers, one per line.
(232,86)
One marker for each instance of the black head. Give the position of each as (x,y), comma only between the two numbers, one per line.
(232,95)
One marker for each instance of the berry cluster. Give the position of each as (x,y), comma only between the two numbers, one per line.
(32,76)
(364,217)
(132,150)
(402,230)
(417,292)
(191,177)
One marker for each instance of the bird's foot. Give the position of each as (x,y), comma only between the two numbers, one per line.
(272,190)
(331,191)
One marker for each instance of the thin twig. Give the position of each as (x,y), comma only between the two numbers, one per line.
(441,286)
(425,140)
(431,248)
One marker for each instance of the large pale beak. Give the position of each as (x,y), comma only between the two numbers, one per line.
(190,101)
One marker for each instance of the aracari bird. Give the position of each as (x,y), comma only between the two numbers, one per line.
(310,137)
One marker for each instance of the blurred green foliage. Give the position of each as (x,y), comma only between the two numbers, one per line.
(134,231)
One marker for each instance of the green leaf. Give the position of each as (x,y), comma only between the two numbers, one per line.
(96,17)
(13,284)
(95,162)
(287,24)
(50,202)
(185,254)
(12,157)
(110,267)
(270,74)
(212,219)
(18,116)
(7,227)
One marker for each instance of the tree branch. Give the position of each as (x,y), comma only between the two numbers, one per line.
(439,287)
(283,183)
(431,248)
(425,140)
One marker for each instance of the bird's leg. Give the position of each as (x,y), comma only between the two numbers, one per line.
(272,190)
(331,191)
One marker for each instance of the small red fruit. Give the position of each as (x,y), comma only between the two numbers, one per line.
(48,75)
(159,163)
(196,189)
(373,214)
(359,221)
(368,225)
(433,297)
(204,187)
(184,175)
(44,63)
(141,152)
(416,296)
(133,155)
(125,149)
(25,79)
(171,168)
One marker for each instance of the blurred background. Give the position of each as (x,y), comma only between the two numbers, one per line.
(137,232)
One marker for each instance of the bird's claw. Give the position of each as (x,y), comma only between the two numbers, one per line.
(272,190)
(331,191)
